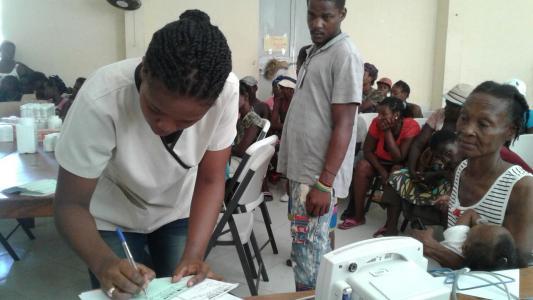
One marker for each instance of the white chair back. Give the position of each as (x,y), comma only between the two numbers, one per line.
(524,147)
(367,118)
(421,121)
(264,130)
(256,168)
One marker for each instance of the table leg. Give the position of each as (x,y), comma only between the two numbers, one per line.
(24,224)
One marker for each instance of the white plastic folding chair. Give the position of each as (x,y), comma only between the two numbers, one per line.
(523,147)
(367,118)
(264,130)
(235,226)
(421,121)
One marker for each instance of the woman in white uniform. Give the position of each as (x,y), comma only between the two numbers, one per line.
(144,148)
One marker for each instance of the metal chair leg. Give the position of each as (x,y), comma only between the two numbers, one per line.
(26,225)
(250,259)
(268,222)
(259,258)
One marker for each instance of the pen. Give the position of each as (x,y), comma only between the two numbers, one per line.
(128,253)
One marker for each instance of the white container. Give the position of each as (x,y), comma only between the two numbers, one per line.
(49,142)
(54,122)
(6,133)
(26,141)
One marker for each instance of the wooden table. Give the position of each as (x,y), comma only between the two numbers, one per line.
(7,148)
(17,169)
(526,290)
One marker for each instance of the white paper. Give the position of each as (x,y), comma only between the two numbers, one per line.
(163,289)
(491,292)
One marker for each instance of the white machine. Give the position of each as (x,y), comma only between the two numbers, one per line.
(382,268)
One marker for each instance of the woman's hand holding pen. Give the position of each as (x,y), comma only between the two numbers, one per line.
(120,280)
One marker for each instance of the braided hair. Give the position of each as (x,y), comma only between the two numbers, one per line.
(190,56)
(57,82)
(394,104)
(516,102)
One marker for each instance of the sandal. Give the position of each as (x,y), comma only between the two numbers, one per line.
(380,232)
(350,223)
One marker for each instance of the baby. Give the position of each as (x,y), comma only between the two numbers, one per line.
(484,247)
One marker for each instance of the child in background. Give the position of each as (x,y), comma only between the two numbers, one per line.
(435,170)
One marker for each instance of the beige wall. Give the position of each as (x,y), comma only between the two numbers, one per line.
(431,44)
(492,40)
(399,38)
(238,20)
(70,38)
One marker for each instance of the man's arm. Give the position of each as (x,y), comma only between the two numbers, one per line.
(275,120)
(248,138)
(75,222)
(518,218)
(343,116)
(205,207)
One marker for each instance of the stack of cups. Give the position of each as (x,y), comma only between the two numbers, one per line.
(54,122)
(49,142)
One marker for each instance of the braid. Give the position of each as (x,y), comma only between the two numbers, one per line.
(190,56)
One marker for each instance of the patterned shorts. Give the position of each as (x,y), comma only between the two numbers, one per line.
(310,236)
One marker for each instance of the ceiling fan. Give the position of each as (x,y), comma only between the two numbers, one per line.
(126,4)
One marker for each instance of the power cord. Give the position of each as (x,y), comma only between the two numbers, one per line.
(452,277)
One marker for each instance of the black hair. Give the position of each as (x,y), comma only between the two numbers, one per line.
(243,88)
(190,56)
(441,137)
(57,82)
(483,256)
(339,3)
(518,108)
(33,77)
(395,104)
(81,80)
(404,86)
(12,81)
(372,71)
(302,56)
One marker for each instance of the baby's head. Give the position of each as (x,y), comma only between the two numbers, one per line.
(490,248)
(443,145)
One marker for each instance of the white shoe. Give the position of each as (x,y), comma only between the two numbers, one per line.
(284,198)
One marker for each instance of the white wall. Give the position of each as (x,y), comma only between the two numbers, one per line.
(398,37)
(237,19)
(492,40)
(70,38)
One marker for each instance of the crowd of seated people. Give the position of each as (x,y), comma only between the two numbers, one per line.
(426,177)
(20,83)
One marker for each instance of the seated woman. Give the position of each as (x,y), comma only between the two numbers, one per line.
(249,124)
(442,119)
(387,144)
(498,191)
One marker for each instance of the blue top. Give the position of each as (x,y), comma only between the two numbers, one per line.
(530,121)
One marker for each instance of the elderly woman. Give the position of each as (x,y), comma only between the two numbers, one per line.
(498,191)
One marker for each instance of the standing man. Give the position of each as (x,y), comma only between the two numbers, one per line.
(316,152)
